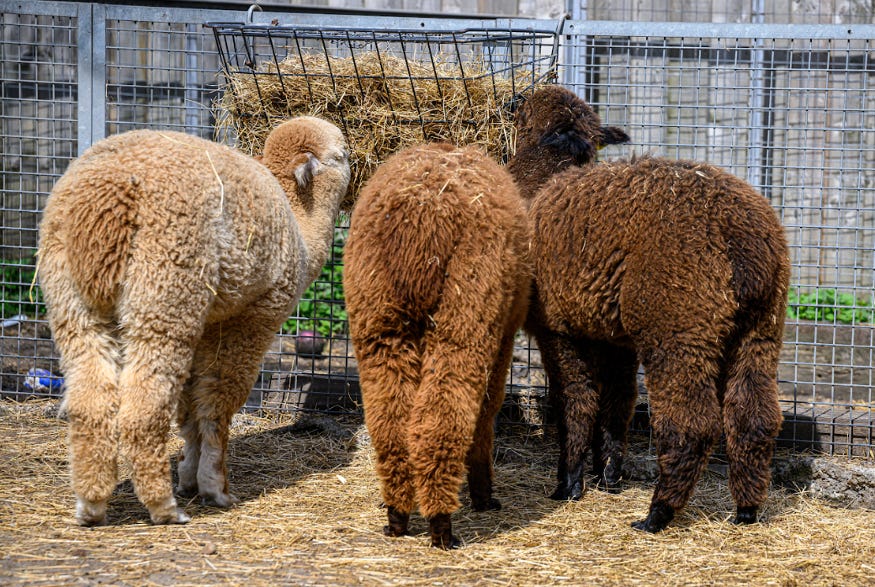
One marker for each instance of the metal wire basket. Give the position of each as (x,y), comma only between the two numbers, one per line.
(385,88)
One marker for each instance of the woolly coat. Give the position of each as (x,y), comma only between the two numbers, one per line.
(658,246)
(436,283)
(676,265)
(166,259)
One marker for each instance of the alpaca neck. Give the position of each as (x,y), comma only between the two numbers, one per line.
(532,167)
(316,208)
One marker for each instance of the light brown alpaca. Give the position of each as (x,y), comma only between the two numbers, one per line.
(437,283)
(676,265)
(169,263)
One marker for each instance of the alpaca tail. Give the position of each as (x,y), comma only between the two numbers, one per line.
(99,234)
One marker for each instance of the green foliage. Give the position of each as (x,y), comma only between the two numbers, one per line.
(15,294)
(827,305)
(322,307)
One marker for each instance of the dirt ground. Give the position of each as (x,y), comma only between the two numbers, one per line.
(310,515)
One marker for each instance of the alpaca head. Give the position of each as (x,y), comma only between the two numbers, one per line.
(555,119)
(305,151)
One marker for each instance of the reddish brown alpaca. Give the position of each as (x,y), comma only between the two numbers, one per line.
(436,283)
(673,264)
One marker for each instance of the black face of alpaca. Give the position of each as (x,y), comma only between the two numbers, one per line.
(556,130)
(556,119)
(571,144)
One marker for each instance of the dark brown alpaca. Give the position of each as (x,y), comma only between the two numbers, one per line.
(676,265)
(437,283)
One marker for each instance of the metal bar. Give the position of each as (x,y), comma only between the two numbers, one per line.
(98,73)
(85,91)
(706,30)
(757,102)
(191,79)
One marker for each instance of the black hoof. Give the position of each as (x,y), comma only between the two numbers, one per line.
(393,532)
(565,493)
(612,474)
(487,505)
(659,517)
(608,483)
(186,492)
(440,528)
(746,515)
(612,488)
(398,522)
(446,543)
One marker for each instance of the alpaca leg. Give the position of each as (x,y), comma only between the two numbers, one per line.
(444,415)
(225,368)
(619,390)
(89,360)
(149,386)
(686,423)
(91,403)
(574,397)
(480,454)
(752,418)
(389,374)
(159,332)
(191,451)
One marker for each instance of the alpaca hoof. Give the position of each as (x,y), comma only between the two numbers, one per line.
(565,492)
(168,513)
(397,525)
(441,530)
(90,513)
(178,517)
(186,492)
(486,505)
(611,479)
(394,532)
(446,543)
(612,487)
(745,515)
(644,526)
(659,517)
(221,500)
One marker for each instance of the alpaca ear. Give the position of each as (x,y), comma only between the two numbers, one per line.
(613,135)
(305,171)
(578,147)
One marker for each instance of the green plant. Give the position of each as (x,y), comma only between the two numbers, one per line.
(830,306)
(16,296)
(322,308)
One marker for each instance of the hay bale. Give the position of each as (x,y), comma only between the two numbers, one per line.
(382,102)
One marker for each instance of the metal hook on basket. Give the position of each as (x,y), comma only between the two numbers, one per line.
(251,10)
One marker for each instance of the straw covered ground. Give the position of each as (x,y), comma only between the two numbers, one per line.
(382,103)
(310,515)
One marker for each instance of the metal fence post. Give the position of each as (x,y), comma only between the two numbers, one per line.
(91,49)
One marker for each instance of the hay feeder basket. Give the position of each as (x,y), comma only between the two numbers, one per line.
(386,89)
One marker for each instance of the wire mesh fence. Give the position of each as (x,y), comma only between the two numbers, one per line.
(789,110)
(792,115)
(159,75)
